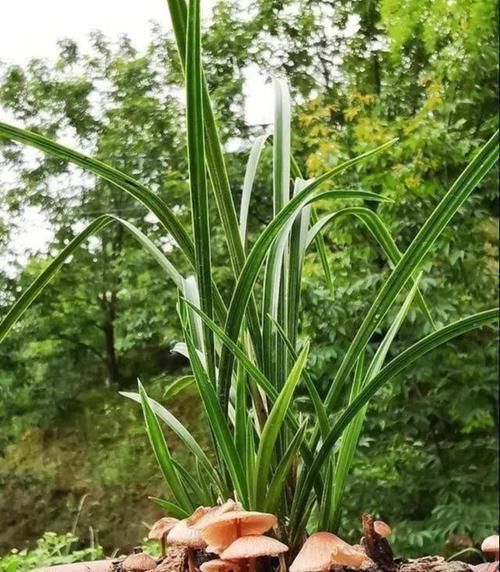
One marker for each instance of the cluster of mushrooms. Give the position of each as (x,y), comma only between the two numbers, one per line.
(226,538)
(238,538)
(226,530)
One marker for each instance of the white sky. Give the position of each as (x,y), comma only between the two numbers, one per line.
(31,28)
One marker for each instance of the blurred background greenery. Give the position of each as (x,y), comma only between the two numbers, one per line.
(360,71)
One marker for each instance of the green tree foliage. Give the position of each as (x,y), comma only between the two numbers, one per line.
(362,72)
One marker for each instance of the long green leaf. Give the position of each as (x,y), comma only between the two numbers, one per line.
(316,400)
(351,435)
(171,508)
(276,280)
(381,234)
(197,177)
(280,475)
(215,158)
(162,453)
(37,286)
(217,171)
(178,385)
(250,463)
(298,245)
(414,255)
(43,279)
(273,426)
(248,182)
(241,412)
(218,423)
(120,180)
(398,365)
(281,196)
(272,296)
(262,381)
(260,250)
(178,428)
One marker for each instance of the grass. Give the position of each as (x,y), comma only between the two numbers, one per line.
(247,354)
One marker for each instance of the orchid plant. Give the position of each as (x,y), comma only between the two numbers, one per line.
(247,354)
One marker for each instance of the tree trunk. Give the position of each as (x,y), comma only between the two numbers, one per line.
(108,303)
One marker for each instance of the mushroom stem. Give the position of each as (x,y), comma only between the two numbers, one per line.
(190,559)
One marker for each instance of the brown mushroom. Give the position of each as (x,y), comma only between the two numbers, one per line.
(382,528)
(191,538)
(346,555)
(251,547)
(323,549)
(160,529)
(315,554)
(222,530)
(138,562)
(203,515)
(220,566)
(490,545)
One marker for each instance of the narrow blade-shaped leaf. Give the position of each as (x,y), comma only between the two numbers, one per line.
(248,182)
(414,255)
(41,281)
(273,426)
(215,157)
(197,176)
(177,386)
(218,422)
(171,508)
(381,234)
(280,475)
(162,453)
(178,428)
(398,365)
(248,276)
(120,180)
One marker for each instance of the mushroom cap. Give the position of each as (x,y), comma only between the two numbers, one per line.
(184,535)
(162,527)
(224,529)
(203,515)
(139,562)
(382,528)
(346,555)
(323,549)
(253,546)
(220,566)
(315,554)
(491,544)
